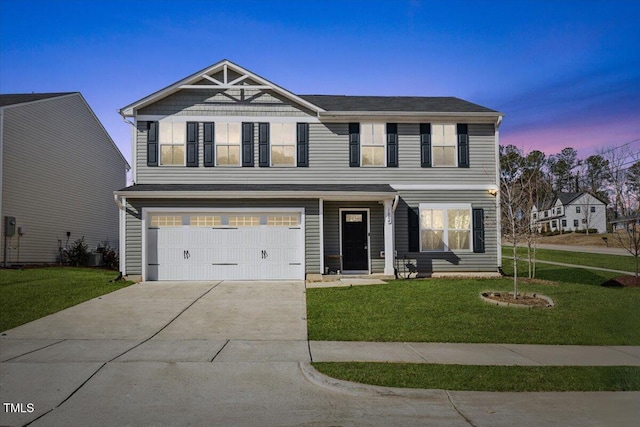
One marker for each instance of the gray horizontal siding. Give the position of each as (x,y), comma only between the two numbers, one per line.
(60,170)
(331,218)
(447,261)
(329,162)
(134,228)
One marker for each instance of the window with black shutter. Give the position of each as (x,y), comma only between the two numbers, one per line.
(478,230)
(354,144)
(263,144)
(425,145)
(413,222)
(192,144)
(302,145)
(208,144)
(152,143)
(463,146)
(392,145)
(247,145)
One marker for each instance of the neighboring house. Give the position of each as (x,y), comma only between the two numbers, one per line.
(238,178)
(570,212)
(619,224)
(59,168)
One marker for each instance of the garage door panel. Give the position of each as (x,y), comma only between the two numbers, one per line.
(221,252)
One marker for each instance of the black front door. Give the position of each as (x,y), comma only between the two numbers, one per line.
(355,252)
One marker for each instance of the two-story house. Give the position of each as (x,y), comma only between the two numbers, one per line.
(568,212)
(58,171)
(238,178)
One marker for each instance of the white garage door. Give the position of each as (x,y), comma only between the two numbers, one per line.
(225,246)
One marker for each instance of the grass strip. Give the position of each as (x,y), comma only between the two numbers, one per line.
(30,294)
(486,378)
(614,262)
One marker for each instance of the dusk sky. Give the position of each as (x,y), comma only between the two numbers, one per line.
(564,73)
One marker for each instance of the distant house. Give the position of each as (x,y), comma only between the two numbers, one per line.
(59,168)
(570,212)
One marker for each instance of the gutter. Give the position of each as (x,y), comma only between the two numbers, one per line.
(342,195)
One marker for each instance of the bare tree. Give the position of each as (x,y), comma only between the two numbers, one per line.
(622,181)
(518,197)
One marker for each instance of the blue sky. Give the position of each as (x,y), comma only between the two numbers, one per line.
(565,73)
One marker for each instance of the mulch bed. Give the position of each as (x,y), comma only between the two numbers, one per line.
(527,300)
(623,281)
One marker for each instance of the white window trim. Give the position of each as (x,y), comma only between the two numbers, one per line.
(455,154)
(294,145)
(172,144)
(384,146)
(445,207)
(217,144)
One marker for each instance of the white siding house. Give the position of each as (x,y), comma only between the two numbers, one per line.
(59,168)
(571,212)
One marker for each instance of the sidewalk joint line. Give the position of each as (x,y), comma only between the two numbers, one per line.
(521,355)
(416,352)
(33,351)
(219,351)
(468,420)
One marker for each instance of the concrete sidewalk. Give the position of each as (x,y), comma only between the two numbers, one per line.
(474,354)
(575,248)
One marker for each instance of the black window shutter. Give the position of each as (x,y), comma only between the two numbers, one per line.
(247,145)
(152,143)
(303,144)
(463,146)
(263,144)
(414,229)
(192,144)
(209,149)
(354,144)
(478,230)
(425,145)
(392,145)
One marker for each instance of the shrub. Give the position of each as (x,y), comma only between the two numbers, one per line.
(79,253)
(591,231)
(110,258)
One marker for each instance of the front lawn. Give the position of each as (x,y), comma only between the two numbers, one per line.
(30,294)
(450,310)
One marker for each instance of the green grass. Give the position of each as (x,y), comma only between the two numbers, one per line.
(614,262)
(487,378)
(559,274)
(30,294)
(450,310)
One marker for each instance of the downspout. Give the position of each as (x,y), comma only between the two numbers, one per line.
(396,201)
(134,168)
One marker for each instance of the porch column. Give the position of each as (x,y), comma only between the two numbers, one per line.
(389,249)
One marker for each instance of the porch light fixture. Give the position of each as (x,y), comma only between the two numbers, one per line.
(493,191)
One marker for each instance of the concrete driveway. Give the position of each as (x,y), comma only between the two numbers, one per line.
(230,353)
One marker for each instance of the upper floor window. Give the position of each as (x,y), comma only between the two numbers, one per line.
(372,142)
(227,140)
(592,209)
(577,209)
(283,144)
(172,138)
(444,144)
